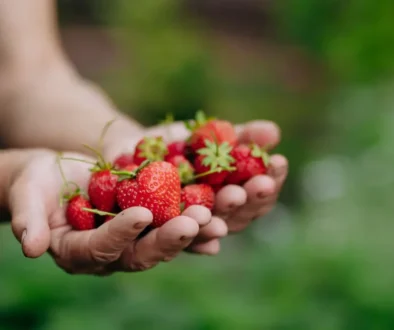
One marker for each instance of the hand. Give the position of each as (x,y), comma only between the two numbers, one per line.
(236,207)
(39,223)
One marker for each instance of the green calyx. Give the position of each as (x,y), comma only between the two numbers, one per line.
(169,119)
(126,175)
(186,173)
(153,149)
(217,156)
(200,120)
(260,152)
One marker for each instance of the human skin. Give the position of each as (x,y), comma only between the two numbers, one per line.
(46,104)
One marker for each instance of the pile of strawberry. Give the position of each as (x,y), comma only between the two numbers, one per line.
(167,178)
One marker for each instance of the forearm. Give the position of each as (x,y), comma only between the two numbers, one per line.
(43,101)
(28,36)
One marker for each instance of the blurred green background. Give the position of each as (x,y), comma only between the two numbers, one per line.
(323,259)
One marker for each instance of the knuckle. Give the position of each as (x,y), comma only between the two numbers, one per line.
(139,265)
(102,257)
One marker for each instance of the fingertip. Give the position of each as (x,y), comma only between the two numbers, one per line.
(181,227)
(35,241)
(230,197)
(279,165)
(259,187)
(199,213)
(262,132)
(210,248)
(217,228)
(137,213)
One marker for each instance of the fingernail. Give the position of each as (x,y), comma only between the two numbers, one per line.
(260,195)
(23,236)
(139,225)
(231,206)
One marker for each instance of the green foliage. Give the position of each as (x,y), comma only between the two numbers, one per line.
(355,38)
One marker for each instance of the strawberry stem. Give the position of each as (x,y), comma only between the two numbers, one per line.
(215,170)
(95,211)
(131,174)
(79,160)
(103,134)
(63,196)
(101,160)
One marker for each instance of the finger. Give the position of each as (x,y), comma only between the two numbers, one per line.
(259,188)
(160,244)
(29,219)
(109,240)
(278,170)
(105,244)
(261,191)
(217,228)
(229,198)
(199,213)
(209,248)
(176,131)
(264,133)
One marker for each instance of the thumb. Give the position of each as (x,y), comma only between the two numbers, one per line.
(29,219)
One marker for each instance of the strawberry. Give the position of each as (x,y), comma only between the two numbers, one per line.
(123,160)
(185,169)
(108,218)
(213,163)
(216,188)
(198,194)
(249,161)
(155,186)
(150,148)
(214,130)
(175,149)
(102,190)
(78,218)
(131,167)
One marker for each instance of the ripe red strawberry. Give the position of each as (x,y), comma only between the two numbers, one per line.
(150,148)
(76,216)
(214,130)
(213,163)
(216,188)
(157,187)
(102,190)
(175,149)
(198,194)
(185,169)
(130,167)
(248,162)
(108,218)
(123,160)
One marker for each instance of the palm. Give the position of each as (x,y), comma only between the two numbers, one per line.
(113,246)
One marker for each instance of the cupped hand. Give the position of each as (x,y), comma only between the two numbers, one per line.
(39,223)
(236,206)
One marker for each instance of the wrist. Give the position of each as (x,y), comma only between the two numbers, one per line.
(17,75)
